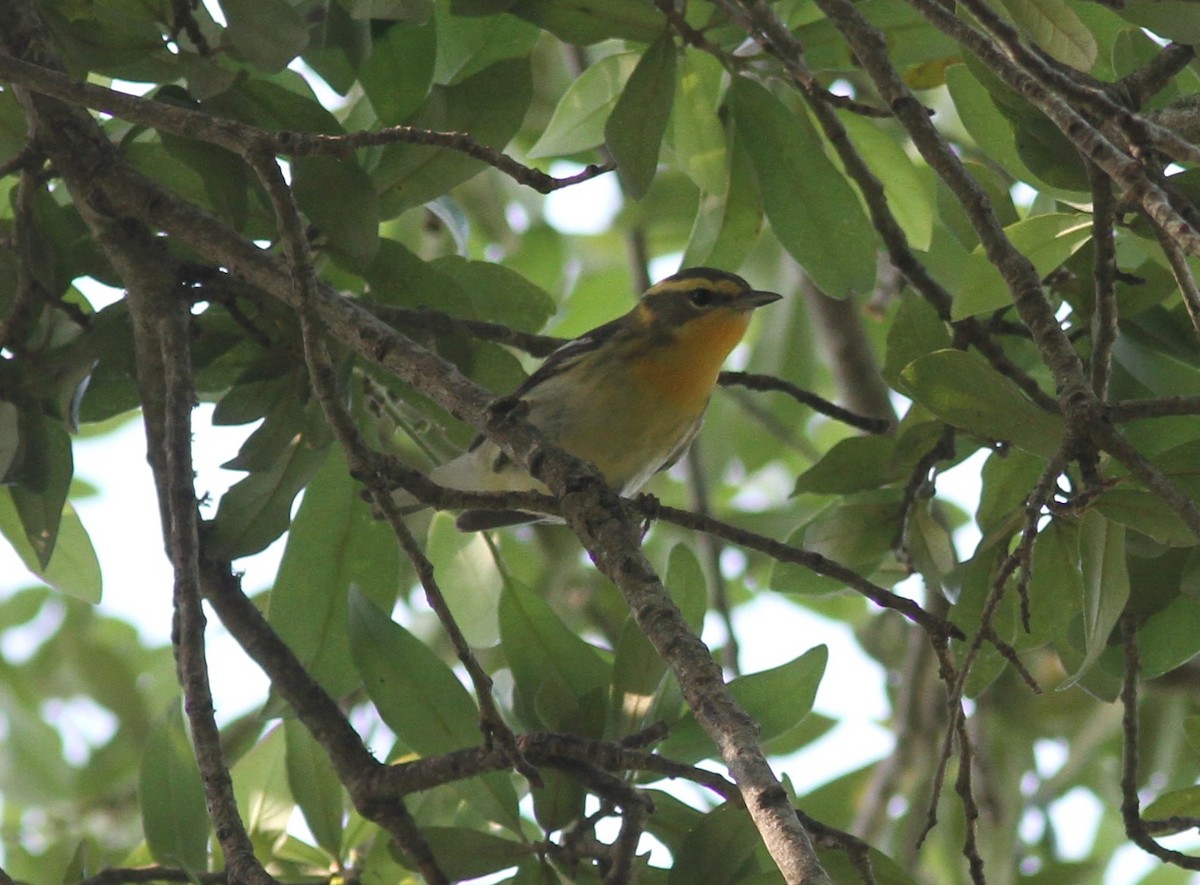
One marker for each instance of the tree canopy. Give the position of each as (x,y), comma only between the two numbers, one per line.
(328,219)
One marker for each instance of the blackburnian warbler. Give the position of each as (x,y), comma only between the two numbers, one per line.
(628,396)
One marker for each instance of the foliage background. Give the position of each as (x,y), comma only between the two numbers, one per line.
(758,137)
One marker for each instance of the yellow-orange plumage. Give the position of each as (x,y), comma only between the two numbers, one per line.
(628,396)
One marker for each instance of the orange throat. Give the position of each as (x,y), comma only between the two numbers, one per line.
(684,371)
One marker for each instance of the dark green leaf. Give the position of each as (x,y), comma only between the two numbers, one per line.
(268,33)
(1173,19)
(591,21)
(42,481)
(916,331)
(498,294)
(779,699)
(399,71)
(411,11)
(468,854)
(852,465)
(1147,513)
(489,106)
(858,532)
(808,200)
(1105,585)
(340,200)
(174,816)
(728,225)
(635,129)
(561,681)
(1055,583)
(720,850)
(257,509)
(910,194)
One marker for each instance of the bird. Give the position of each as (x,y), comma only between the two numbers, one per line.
(629,395)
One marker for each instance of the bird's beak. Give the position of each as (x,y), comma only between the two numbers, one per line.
(753,299)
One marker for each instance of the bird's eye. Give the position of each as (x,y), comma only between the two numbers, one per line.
(701,297)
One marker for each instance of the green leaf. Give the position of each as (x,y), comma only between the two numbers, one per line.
(465,46)
(340,200)
(1056,29)
(260,786)
(464,853)
(635,129)
(1173,19)
(334,543)
(1105,585)
(577,123)
(696,131)
(1055,583)
(399,71)
(416,694)
(727,225)
(171,796)
(1191,731)
(398,276)
(808,200)
(963,390)
(271,105)
(638,671)
(1147,513)
(857,532)
(916,330)
(283,455)
(489,106)
(267,33)
(778,699)
(592,22)
(909,194)
(74,568)
(315,786)
(1184,803)
(499,295)
(1163,374)
(257,510)
(42,481)
(1170,637)
(852,465)
(470,578)
(1046,240)
(411,11)
(561,681)
(719,849)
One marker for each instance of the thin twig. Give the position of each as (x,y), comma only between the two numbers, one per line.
(1104,265)
(1182,271)
(756,381)
(1157,407)
(1135,827)
(241,137)
(808,559)
(362,460)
